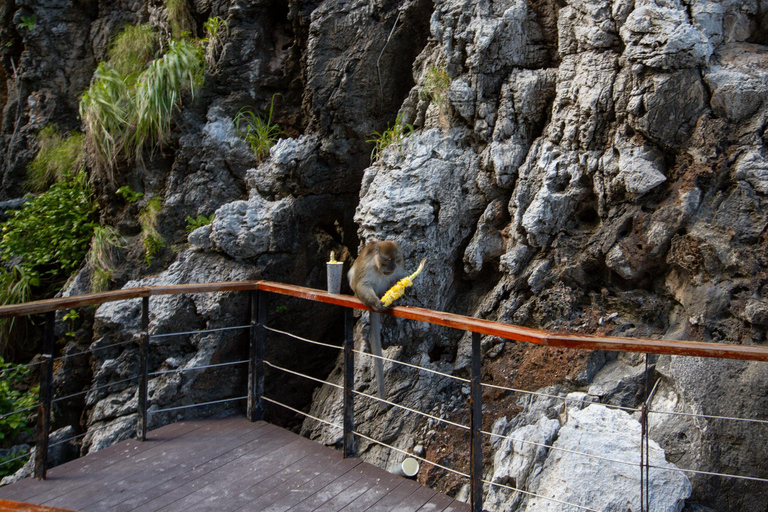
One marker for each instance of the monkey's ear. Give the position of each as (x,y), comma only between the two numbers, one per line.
(376,248)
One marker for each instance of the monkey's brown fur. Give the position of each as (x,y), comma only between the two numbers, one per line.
(378,267)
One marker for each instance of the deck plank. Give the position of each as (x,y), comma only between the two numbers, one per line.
(225,465)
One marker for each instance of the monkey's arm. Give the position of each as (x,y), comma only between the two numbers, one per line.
(368,297)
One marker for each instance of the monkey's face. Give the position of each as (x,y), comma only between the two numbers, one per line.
(387,265)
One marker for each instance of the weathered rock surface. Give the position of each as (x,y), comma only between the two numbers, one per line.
(596,166)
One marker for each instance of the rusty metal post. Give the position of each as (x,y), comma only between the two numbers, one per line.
(476,422)
(141,425)
(349,384)
(257,348)
(46,398)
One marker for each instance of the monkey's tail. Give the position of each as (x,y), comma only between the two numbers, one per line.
(376,350)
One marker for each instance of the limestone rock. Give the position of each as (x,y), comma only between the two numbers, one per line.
(612,434)
(663,37)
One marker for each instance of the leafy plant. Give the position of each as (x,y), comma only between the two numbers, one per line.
(57,158)
(153,240)
(132,49)
(129,195)
(9,468)
(72,316)
(28,22)
(159,90)
(200,221)
(260,134)
(393,135)
(101,256)
(216,29)
(52,230)
(12,399)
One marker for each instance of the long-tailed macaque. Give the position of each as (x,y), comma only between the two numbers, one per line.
(378,267)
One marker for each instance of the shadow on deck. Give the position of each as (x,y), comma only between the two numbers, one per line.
(225,465)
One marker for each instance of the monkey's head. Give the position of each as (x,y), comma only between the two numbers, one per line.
(388,257)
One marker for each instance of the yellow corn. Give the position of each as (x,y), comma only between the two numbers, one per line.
(398,290)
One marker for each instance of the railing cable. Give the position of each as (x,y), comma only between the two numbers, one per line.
(539,496)
(17,411)
(85,391)
(204,331)
(204,367)
(565,398)
(420,368)
(426,415)
(214,402)
(18,367)
(91,350)
(313,342)
(22,456)
(286,370)
(558,449)
(710,473)
(326,422)
(709,416)
(465,475)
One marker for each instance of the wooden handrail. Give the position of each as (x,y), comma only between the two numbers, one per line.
(462,322)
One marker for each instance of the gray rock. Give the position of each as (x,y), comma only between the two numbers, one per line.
(662,37)
(612,434)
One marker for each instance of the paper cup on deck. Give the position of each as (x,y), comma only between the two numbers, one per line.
(408,468)
(334,276)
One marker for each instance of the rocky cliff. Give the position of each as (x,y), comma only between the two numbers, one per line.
(582,165)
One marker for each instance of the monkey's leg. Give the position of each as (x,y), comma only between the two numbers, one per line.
(376,350)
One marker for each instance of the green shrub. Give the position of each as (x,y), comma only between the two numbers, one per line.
(393,135)
(200,221)
(261,135)
(130,196)
(132,49)
(153,240)
(57,158)
(12,399)
(52,230)
(101,256)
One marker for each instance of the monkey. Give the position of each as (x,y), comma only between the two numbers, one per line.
(378,267)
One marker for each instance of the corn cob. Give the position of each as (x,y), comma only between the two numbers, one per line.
(398,290)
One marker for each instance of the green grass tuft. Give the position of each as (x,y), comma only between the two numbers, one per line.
(179,17)
(393,135)
(101,256)
(159,90)
(57,159)
(216,30)
(132,49)
(106,110)
(153,240)
(260,134)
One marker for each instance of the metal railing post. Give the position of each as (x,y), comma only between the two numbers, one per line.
(46,398)
(476,422)
(141,425)
(257,348)
(349,384)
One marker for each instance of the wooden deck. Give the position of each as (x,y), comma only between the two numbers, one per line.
(225,465)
